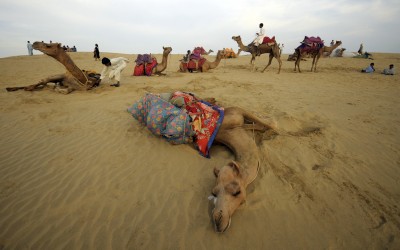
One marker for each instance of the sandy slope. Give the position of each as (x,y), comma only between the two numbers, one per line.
(78,172)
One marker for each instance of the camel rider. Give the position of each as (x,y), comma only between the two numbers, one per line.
(260,37)
(113,68)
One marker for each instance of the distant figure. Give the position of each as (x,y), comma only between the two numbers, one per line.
(74,49)
(96,52)
(332,43)
(30,49)
(369,69)
(360,50)
(187,56)
(389,71)
(113,68)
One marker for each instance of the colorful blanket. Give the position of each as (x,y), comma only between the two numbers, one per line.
(163,118)
(311,44)
(193,121)
(206,120)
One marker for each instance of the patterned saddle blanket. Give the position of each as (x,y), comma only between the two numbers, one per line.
(179,118)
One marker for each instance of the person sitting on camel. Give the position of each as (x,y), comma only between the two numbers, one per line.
(259,39)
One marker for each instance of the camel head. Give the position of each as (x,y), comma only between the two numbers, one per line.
(338,43)
(228,194)
(221,53)
(51,49)
(237,38)
(167,50)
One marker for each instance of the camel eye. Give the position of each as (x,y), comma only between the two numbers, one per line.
(236,194)
(213,194)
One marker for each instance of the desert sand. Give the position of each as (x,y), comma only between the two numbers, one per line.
(78,171)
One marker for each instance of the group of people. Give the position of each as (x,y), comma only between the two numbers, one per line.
(68,49)
(371,69)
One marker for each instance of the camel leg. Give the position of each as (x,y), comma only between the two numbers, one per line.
(316,61)
(40,85)
(280,63)
(297,64)
(269,62)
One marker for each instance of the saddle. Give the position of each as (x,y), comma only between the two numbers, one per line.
(269,41)
(310,44)
(194,64)
(144,65)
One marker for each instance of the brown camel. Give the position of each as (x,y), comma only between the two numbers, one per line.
(207,65)
(315,54)
(73,79)
(163,65)
(232,179)
(273,51)
(327,50)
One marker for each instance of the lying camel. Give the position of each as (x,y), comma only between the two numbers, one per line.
(232,179)
(163,65)
(205,66)
(73,79)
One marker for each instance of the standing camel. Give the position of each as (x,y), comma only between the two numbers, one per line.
(73,79)
(273,51)
(314,52)
(202,65)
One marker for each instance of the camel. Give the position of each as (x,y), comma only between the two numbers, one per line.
(202,67)
(163,65)
(147,64)
(202,51)
(273,51)
(327,50)
(229,53)
(232,180)
(73,79)
(315,54)
(236,131)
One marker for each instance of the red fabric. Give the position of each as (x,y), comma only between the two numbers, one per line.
(192,64)
(269,40)
(139,69)
(201,114)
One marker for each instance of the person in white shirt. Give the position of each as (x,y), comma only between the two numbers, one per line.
(389,71)
(260,37)
(30,48)
(113,68)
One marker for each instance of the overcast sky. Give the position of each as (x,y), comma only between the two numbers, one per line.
(132,27)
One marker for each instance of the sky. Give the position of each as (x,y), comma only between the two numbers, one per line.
(145,26)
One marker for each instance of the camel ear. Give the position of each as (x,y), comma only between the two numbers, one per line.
(235,167)
(216,171)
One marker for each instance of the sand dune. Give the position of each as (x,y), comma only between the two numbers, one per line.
(78,172)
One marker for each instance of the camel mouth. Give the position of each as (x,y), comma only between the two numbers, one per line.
(218,230)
